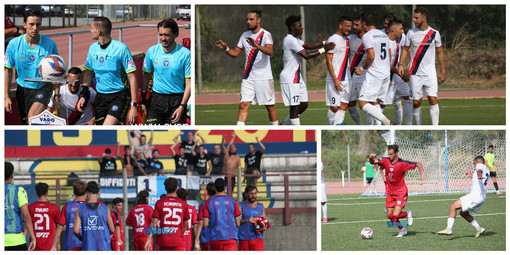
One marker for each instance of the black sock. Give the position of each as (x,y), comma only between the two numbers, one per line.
(496,185)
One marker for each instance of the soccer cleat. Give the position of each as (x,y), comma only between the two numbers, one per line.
(445,232)
(402,232)
(409,218)
(324,219)
(499,193)
(479,233)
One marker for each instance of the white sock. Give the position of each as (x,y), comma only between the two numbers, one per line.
(397,110)
(287,120)
(355,115)
(325,210)
(240,123)
(450,223)
(370,120)
(376,113)
(273,123)
(294,122)
(434,114)
(408,111)
(376,121)
(417,115)
(339,117)
(475,225)
(330,117)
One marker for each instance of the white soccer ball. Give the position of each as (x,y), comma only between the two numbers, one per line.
(363,169)
(53,68)
(367,233)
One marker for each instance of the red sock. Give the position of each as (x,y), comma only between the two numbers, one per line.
(402,215)
(397,222)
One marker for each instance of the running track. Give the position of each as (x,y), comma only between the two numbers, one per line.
(315,96)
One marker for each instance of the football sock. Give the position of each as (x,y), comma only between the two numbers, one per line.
(397,110)
(496,186)
(370,120)
(325,210)
(376,121)
(434,114)
(417,115)
(450,223)
(408,111)
(376,113)
(339,117)
(273,123)
(330,117)
(287,120)
(294,122)
(475,225)
(240,123)
(402,215)
(355,115)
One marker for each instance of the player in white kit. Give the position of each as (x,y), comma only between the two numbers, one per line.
(471,202)
(356,58)
(338,76)
(377,65)
(424,42)
(257,84)
(324,199)
(293,86)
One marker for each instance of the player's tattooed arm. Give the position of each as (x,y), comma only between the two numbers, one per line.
(224,47)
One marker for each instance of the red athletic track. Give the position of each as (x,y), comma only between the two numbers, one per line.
(321,96)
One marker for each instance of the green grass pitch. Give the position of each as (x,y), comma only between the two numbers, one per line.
(349,213)
(453,112)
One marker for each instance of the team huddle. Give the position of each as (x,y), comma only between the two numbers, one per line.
(220,224)
(364,68)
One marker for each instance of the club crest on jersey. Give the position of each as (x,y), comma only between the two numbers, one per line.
(166,63)
(101,59)
(31,58)
(391,169)
(39,96)
(115,108)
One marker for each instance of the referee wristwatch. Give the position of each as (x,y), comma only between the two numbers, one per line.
(135,104)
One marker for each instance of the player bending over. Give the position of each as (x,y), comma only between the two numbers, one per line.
(471,202)
(396,188)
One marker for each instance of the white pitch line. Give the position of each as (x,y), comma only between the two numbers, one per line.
(414,218)
(408,201)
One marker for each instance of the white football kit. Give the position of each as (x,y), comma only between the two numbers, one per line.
(68,109)
(473,201)
(291,82)
(340,63)
(356,58)
(377,78)
(323,182)
(398,88)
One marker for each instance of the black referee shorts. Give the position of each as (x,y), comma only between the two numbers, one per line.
(26,97)
(161,108)
(115,104)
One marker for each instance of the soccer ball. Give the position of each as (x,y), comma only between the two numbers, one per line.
(363,169)
(52,67)
(367,233)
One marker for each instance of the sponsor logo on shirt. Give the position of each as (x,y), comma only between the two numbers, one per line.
(39,96)
(131,63)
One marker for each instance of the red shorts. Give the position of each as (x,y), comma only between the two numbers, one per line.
(223,245)
(205,247)
(115,246)
(139,243)
(396,200)
(256,244)
(77,248)
(171,248)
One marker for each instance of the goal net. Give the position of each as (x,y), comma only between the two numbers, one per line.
(445,156)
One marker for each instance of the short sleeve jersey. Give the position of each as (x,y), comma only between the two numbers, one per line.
(172,214)
(143,164)
(188,235)
(217,162)
(253,161)
(181,163)
(479,186)
(44,217)
(396,47)
(489,160)
(257,65)
(395,175)
(292,47)
(110,66)
(19,54)
(340,59)
(140,217)
(222,211)
(68,109)
(423,46)
(201,163)
(378,41)
(356,57)
(204,235)
(107,167)
(170,69)
(154,167)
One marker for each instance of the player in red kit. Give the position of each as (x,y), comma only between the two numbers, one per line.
(171,211)
(139,218)
(202,235)
(118,236)
(192,223)
(44,217)
(396,188)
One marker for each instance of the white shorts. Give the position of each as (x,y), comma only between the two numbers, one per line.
(397,90)
(294,93)
(355,89)
(471,203)
(374,88)
(421,84)
(261,91)
(335,97)
(324,198)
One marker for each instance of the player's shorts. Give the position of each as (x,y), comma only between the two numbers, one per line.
(205,246)
(161,108)
(324,198)
(223,245)
(171,248)
(355,89)
(421,84)
(374,88)
(115,246)
(335,97)
(77,248)
(115,104)
(471,203)
(27,97)
(251,180)
(139,243)
(294,93)
(397,91)
(492,173)
(261,91)
(369,180)
(396,200)
(256,244)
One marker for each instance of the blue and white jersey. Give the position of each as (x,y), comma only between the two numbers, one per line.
(170,69)
(94,226)
(26,59)
(247,230)
(111,66)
